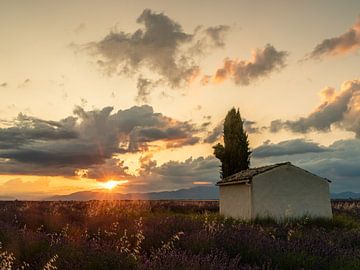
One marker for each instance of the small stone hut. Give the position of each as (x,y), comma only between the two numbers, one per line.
(278,191)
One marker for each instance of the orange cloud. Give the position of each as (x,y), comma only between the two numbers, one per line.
(244,72)
(345,43)
(340,108)
(226,71)
(202,183)
(327,94)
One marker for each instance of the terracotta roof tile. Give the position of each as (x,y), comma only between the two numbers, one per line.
(247,175)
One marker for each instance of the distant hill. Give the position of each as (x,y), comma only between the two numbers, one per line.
(7,198)
(196,193)
(345,195)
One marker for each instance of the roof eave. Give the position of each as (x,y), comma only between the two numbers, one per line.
(245,181)
(329,181)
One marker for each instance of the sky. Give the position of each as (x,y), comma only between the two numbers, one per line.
(136,92)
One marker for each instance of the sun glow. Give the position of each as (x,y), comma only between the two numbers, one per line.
(111,184)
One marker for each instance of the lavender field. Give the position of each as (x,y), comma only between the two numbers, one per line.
(170,235)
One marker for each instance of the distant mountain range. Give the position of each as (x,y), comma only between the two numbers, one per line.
(345,195)
(196,193)
(7,198)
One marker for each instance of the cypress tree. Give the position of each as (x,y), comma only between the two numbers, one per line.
(235,153)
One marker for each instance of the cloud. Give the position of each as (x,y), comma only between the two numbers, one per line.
(207,39)
(87,139)
(110,169)
(161,46)
(217,34)
(25,190)
(289,147)
(24,83)
(264,62)
(16,184)
(341,109)
(170,175)
(4,84)
(25,129)
(345,43)
(206,79)
(216,133)
(176,135)
(189,168)
(327,94)
(177,174)
(145,87)
(338,162)
(250,127)
(147,164)
(152,177)
(155,46)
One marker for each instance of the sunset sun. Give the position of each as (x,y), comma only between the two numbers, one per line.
(111,184)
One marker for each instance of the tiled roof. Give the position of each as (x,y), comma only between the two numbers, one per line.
(246,175)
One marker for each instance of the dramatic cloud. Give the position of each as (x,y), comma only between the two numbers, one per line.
(110,169)
(147,164)
(26,129)
(264,61)
(177,174)
(87,140)
(338,108)
(338,162)
(290,147)
(150,177)
(161,47)
(217,132)
(347,42)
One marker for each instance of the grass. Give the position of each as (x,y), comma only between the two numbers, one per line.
(171,235)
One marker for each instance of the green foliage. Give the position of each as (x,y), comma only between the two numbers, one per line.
(235,153)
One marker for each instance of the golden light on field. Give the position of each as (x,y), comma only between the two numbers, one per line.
(111,184)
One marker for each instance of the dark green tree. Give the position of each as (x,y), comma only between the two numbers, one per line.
(235,153)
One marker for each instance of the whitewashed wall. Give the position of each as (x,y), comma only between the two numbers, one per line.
(288,191)
(235,201)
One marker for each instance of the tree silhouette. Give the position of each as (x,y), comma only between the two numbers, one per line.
(235,153)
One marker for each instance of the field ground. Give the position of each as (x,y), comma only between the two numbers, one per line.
(170,235)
